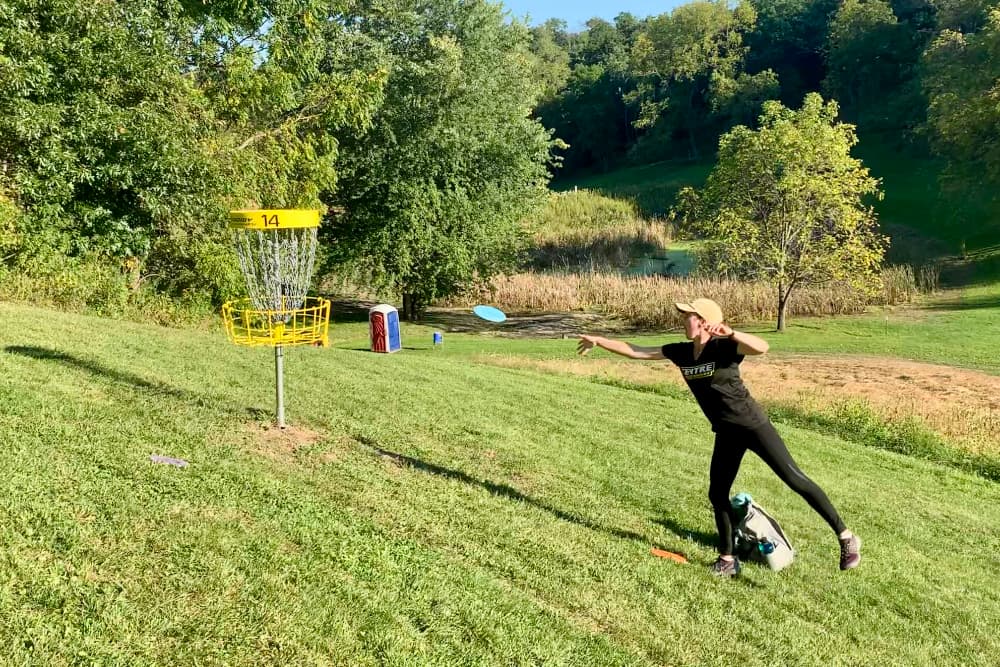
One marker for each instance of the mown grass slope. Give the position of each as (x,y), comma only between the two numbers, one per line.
(435,511)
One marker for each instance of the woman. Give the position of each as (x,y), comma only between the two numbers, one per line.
(710,364)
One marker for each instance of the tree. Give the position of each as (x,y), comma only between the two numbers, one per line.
(602,44)
(589,112)
(962,82)
(100,132)
(785,203)
(685,58)
(591,117)
(434,191)
(870,55)
(963,15)
(790,39)
(280,79)
(128,128)
(628,27)
(551,61)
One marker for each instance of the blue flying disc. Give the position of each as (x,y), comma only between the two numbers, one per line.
(489,313)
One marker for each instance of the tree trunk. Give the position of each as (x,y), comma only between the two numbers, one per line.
(411,307)
(407,307)
(782,307)
(691,121)
(695,155)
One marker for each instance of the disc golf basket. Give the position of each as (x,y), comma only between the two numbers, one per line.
(276,249)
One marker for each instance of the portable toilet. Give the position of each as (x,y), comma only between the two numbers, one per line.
(383,326)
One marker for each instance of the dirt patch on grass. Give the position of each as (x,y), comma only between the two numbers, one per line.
(963,406)
(280,444)
(293,444)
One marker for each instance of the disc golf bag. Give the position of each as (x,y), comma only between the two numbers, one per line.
(758,536)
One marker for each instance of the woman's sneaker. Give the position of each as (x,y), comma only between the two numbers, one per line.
(850,552)
(725,568)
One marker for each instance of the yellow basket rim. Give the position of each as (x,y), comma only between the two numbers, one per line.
(273,219)
(246,305)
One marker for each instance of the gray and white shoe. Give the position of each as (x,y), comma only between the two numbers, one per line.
(850,552)
(725,568)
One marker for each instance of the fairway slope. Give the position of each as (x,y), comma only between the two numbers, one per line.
(430,510)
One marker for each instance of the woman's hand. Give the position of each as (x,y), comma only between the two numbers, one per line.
(586,344)
(720,330)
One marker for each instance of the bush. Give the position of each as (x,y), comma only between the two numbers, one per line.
(899,285)
(92,285)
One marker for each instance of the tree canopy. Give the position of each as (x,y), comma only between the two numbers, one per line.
(962,81)
(434,190)
(127,129)
(786,203)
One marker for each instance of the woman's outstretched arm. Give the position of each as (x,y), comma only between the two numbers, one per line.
(618,347)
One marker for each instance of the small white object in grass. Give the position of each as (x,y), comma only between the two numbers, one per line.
(156,458)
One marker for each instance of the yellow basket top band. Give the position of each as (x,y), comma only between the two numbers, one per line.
(267,219)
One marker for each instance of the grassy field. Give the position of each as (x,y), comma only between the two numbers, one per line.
(955,327)
(914,200)
(867,378)
(431,511)
(585,231)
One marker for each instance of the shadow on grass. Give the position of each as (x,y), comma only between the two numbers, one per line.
(505,491)
(710,540)
(501,490)
(125,378)
(343,311)
(974,269)
(962,303)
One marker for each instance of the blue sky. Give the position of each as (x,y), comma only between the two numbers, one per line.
(575,12)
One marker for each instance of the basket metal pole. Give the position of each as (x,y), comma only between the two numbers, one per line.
(279,384)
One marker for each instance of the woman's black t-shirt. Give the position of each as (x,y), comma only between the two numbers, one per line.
(714,379)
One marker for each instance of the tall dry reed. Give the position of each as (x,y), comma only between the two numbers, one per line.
(647,301)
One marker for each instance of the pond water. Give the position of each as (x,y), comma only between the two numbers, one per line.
(675,261)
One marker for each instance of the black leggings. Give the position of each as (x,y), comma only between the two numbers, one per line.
(730,446)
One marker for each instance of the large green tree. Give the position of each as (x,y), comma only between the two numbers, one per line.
(128,128)
(962,15)
(101,133)
(591,116)
(871,65)
(790,38)
(962,81)
(690,65)
(550,65)
(590,112)
(786,203)
(434,191)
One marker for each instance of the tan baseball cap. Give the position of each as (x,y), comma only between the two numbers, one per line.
(706,308)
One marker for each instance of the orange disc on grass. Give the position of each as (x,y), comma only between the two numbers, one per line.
(669,555)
